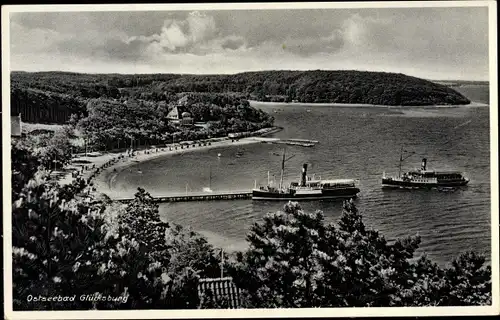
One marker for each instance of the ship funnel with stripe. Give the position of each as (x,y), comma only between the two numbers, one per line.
(304,175)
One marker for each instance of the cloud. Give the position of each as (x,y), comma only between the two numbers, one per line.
(178,36)
(232,43)
(201,26)
(197,35)
(442,42)
(310,46)
(442,34)
(22,39)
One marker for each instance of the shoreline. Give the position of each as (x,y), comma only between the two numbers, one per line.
(362,105)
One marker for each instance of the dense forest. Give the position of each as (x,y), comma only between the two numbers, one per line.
(42,106)
(113,124)
(51,96)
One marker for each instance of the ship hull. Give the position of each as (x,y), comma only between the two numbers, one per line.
(397,184)
(324,195)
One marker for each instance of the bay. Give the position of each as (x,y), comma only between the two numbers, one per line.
(359,143)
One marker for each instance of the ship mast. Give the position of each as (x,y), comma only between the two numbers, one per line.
(282,170)
(401,159)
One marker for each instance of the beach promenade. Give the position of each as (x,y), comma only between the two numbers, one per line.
(99,169)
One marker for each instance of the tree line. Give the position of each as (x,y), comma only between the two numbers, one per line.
(39,106)
(69,240)
(114,124)
(36,91)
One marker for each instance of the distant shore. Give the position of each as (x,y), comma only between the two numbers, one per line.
(361,105)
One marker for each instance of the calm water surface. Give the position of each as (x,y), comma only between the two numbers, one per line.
(358,143)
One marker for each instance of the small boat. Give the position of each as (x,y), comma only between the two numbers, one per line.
(307,189)
(423,178)
(219,155)
(308,110)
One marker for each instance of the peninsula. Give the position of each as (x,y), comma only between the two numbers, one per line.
(56,95)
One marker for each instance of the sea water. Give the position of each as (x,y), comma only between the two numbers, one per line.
(359,143)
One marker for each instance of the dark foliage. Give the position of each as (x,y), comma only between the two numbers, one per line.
(42,106)
(24,166)
(54,96)
(114,124)
(68,243)
(295,259)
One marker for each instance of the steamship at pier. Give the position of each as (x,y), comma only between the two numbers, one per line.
(307,189)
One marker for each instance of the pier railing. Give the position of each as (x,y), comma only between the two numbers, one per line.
(197,196)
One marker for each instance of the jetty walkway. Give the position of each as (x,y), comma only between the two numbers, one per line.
(197,196)
(290,142)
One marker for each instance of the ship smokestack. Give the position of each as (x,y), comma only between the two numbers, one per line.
(304,175)
(424,164)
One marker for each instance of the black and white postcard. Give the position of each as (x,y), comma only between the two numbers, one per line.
(250,160)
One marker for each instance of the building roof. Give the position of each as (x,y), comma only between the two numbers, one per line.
(178,112)
(221,290)
(15,126)
(173,114)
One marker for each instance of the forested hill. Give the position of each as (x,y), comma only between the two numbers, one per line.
(321,87)
(61,89)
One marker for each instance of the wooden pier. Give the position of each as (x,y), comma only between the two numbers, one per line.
(198,196)
(290,142)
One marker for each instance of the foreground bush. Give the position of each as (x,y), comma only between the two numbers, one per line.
(296,260)
(68,243)
(75,248)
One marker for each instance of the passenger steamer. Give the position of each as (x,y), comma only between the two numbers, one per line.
(307,188)
(424,179)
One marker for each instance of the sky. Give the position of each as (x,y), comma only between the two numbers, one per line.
(432,43)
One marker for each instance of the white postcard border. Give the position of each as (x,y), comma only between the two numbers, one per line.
(246,313)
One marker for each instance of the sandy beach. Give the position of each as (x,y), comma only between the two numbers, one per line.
(117,162)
